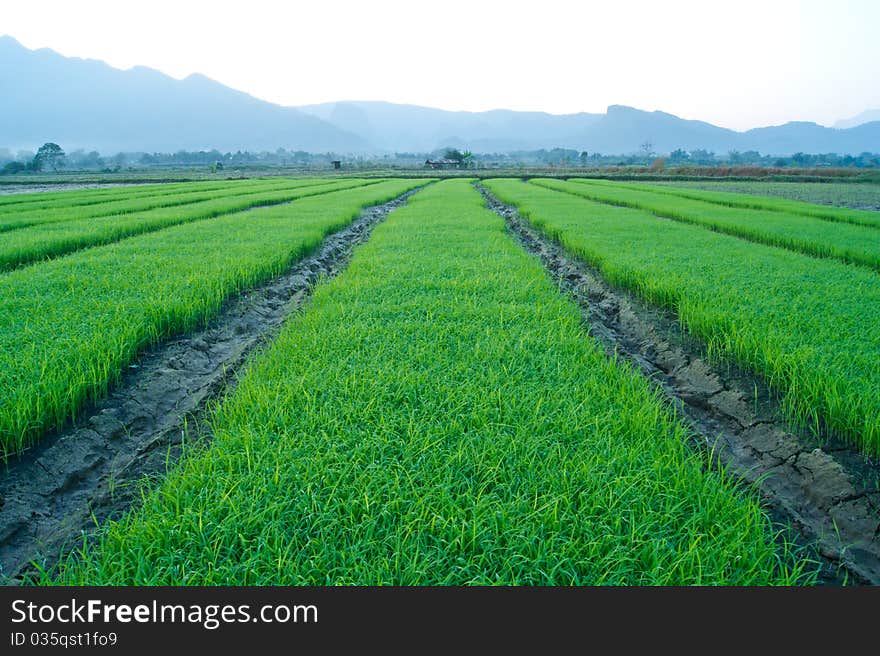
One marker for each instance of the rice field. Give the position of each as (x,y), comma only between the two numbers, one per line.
(51,239)
(811,327)
(68,327)
(839,194)
(23,216)
(437,417)
(437,413)
(858,244)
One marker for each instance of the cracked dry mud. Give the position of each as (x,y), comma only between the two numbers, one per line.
(94,470)
(823,489)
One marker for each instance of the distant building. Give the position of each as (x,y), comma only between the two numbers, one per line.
(336,164)
(442,163)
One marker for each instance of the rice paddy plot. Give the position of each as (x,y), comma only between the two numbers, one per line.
(802,197)
(69,326)
(130,204)
(44,241)
(843,241)
(438,415)
(810,327)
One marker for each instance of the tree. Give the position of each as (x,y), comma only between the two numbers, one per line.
(584,157)
(49,154)
(700,156)
(647,149)
(12,168)
(454,154)
(90,160)
(801,159)
(463,160)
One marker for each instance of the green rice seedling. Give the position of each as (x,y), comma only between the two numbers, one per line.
(810,327)
(128,205)
(68,327)
(55,199)
(842,201)
(43,241)
(9,201)
(58,199)
(812,236)
(438,416)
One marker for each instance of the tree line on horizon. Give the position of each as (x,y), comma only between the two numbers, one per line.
(52,157)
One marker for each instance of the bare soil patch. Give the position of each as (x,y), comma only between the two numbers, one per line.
(818,486)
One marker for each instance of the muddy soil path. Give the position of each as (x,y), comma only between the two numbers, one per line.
(94,470)
(823,489)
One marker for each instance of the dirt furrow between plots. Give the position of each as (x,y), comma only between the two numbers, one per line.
(95,469)
(827,492)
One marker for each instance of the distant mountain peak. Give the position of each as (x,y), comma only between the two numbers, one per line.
(868,116)
(96,106)
(201,79)
(623,109)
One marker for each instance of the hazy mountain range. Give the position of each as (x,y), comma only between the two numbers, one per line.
(859,119)
(81,103)
(88,104)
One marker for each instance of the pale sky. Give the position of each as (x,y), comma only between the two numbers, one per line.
(737,64)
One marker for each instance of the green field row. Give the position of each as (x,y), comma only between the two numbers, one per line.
(75,195)
(69,326)
(439,416)
(46,241)
(805,196)
(130,205)
(79,197)
(58,199)
(844,241)
(810,327)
